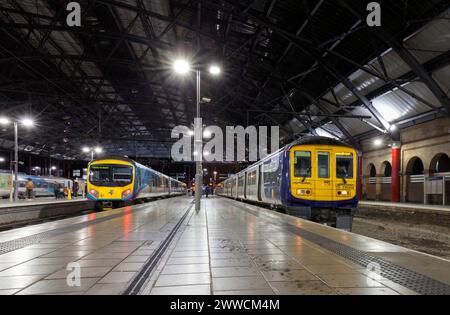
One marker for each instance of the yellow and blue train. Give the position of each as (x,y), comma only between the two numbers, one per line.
(314,178)
(114,181)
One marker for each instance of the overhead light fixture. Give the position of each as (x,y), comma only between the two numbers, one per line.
(27,122)
(2,159)
(393,128)
(207,134)
(4,120)
(378,142)
(86,150)
(181,66)
(214,70)
(98,150)
(190,132)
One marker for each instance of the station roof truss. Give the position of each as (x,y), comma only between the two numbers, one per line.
(309,66)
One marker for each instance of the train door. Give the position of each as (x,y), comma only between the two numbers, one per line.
(323,183)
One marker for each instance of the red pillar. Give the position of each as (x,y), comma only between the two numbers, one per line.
(395,186)
(360,177)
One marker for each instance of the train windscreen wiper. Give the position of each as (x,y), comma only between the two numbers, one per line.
(308,172)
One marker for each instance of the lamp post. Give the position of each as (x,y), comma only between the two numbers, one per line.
(97,150)
(183,67)
(27,123)
(53,168)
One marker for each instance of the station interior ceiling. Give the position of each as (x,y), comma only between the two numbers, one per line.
(310,67)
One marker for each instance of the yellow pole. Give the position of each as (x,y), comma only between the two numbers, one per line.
(69,194)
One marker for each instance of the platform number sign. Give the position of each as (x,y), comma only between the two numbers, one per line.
(374,17)
(74,16)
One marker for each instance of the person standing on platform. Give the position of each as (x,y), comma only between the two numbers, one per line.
(29,186)
(207,191)
(57,188)
(76,187)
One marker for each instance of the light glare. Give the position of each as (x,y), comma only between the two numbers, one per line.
(214,70)
(181,66)
(27,122)
(4,120)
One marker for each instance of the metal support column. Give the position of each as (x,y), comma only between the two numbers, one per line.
(199,148)
(16,161)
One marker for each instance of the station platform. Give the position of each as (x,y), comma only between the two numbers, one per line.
(6,203)
(410,213)
(31,210)
(165,247)
(405,205)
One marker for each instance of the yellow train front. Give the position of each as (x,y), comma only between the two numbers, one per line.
(314,178)
(114,182)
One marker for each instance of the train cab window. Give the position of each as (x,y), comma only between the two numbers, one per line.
(302,164)
(123,175)
(323,164)
(111,175)
(344,165)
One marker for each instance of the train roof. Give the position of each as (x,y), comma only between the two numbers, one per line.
(115,157)
(307,140)
(127,159)
(311,140)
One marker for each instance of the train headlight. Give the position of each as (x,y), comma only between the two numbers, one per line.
(126,193)
(301,192)
(94,193)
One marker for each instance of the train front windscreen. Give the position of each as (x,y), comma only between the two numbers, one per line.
(111,175)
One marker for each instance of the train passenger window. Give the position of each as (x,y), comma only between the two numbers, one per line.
(323,161)
(302,164)
(344,165)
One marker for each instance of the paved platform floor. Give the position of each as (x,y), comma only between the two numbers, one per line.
(227,248)
(6,203)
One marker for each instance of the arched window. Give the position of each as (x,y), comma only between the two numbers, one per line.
(372,170)
(415,166)
(387,169)
(440,163)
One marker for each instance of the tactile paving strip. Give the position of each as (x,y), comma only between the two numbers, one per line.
(408,278)
(9,246)
(142,277)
